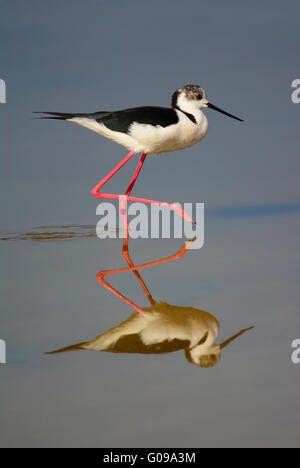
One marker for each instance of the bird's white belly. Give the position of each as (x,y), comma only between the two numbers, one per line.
(158,139)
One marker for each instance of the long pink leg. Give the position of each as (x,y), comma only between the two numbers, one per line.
(135,175)
(124,198)
(96,190)
(125,251)
(100,276)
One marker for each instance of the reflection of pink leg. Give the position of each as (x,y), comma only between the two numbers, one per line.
(126,256)
(97,194)
(101,274)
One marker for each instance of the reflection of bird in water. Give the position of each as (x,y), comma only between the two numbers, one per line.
(161,328)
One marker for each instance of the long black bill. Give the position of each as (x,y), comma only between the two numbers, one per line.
(211,106)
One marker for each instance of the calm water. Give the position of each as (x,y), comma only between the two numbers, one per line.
(245,275)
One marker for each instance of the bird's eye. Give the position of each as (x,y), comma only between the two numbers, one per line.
(199,97)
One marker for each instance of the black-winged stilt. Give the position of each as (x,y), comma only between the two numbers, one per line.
(149,130)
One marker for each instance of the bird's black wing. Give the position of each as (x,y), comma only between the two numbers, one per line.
(120,121)
(134,344)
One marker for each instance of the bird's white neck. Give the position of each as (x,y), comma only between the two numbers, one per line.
(188,106)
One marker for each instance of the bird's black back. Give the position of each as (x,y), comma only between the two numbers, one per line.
(120,121)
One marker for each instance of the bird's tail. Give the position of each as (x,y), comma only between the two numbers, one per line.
(57,115)
(66,116)
(74,347)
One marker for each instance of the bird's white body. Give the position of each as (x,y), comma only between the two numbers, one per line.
(152,130)
(149,139)
(157,329)
(162,322)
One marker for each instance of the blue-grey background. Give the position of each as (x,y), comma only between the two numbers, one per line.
(80,56)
